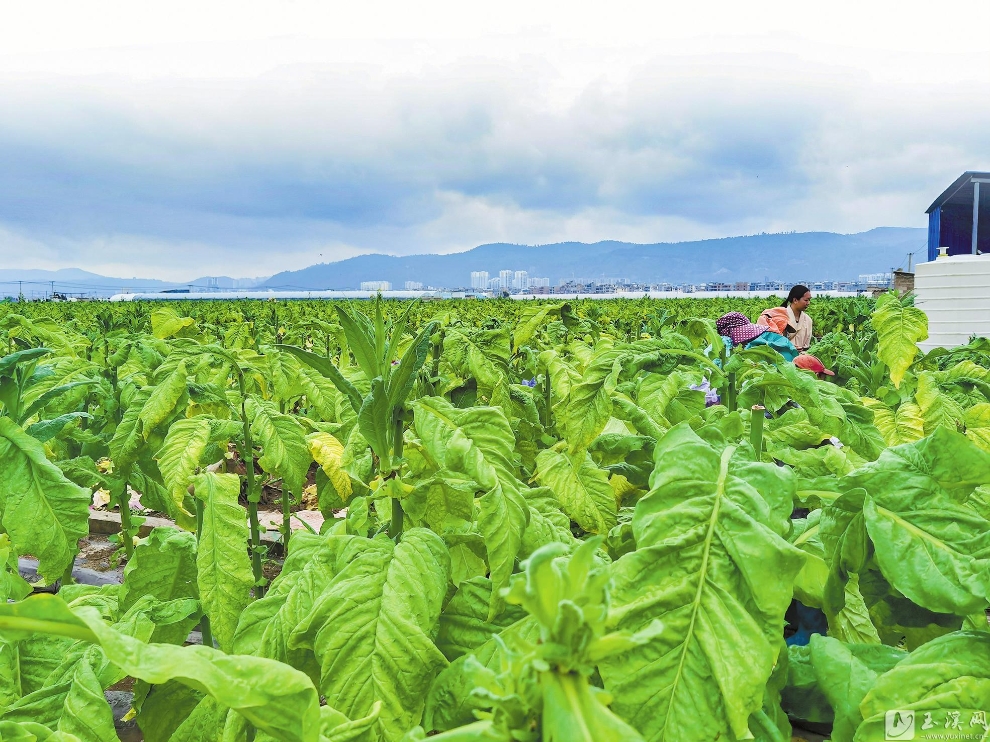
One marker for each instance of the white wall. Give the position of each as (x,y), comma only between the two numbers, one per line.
(955,294)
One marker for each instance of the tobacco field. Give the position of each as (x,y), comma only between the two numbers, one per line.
(542,521)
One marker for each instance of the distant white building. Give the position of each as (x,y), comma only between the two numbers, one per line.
(376,286)
(505,279)
(876,279)
(479,279)
(414,285)
(535,283)
(520,280)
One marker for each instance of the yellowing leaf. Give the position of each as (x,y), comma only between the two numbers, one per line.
(903,425)
(978,425)
(899,330)
(937,408)
(165,323)
(327,452)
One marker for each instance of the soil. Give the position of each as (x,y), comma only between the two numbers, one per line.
(271,490)
(126,685)
(271,569)
(96,552)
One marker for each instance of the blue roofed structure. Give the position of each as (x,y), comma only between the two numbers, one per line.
(959,219)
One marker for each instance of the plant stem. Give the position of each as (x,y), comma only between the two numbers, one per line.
(259,577)
(395,526)
(766,725)
(756,429)
(547,400)
(126,537)
(731,394)
(286,516)
(204,621)
(253,496)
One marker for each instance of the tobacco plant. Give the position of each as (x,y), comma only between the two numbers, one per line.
(542,521)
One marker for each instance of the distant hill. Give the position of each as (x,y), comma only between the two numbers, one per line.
(782,257)
(73,281)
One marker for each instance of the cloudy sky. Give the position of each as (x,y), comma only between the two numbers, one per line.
(242,138)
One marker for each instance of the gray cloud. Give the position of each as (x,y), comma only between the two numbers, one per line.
(272,171)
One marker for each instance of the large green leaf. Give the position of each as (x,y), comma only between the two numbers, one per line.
(43,512)
(283,444)
(165,708)
(443,503)
(148,409)
(285,376)
(326,367)
(478,443)
(844,680)
(846,546)
(481,355)
(224,571)
(828,679)
(589,404)
(271,695)
(532,316)
(402,378)
(375,421)
(266,625)
(10,362)
(573,710)
(374,625)
(929,544)
(948,675)
(853,624)
(163,400)
(711,563)
(163,566)
(86,713)
(464,624)
(937,554)
(624,408)
(580,486)
(562,376)
(362,340)
(182,453)
(669,398)
(44,430)
(899,330)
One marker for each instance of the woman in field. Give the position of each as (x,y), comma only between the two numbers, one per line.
(798,324)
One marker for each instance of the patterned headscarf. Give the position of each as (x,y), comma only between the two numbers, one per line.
(737,326)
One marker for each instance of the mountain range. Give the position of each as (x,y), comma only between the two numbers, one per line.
(813,256)
(788,257)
